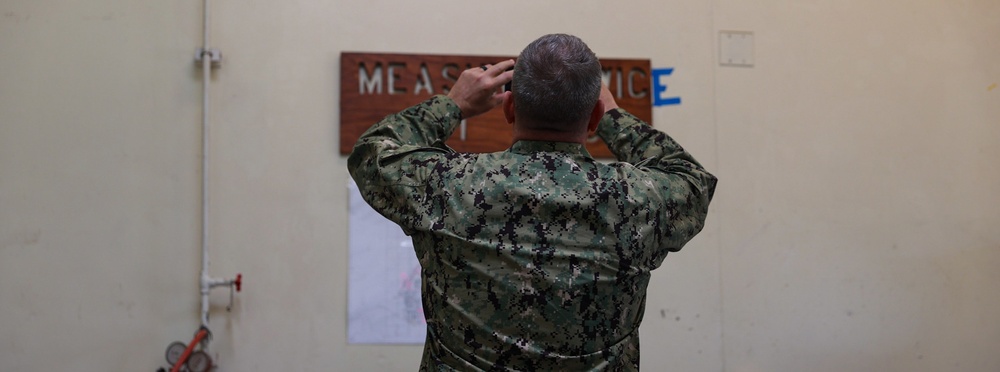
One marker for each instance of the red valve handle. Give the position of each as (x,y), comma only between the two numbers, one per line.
(238,281)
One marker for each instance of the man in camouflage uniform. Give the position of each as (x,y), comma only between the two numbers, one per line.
(535,258)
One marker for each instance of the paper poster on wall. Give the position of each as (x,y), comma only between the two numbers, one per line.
(384,280)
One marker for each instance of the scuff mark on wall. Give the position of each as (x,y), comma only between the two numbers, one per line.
(15,17)
(21,239)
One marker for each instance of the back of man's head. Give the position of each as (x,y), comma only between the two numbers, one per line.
(557,82)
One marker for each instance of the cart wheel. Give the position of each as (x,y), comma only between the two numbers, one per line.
(199,361)
(174,352)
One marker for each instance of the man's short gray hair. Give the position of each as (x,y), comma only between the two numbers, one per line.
(557,82)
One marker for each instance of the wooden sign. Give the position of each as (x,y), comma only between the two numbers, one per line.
(374,85)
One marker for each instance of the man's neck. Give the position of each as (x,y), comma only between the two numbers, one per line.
(523,134)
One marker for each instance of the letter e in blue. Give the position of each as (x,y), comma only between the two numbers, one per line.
(660,88)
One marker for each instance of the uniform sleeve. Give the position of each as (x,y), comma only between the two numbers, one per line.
(678,186)
(393,159)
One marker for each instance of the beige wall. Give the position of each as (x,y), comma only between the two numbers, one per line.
(854,229)
(860,222)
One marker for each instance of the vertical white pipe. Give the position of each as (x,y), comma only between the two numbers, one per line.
(206,77)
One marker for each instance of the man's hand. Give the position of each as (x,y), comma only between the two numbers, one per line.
(608,98)
(477,89)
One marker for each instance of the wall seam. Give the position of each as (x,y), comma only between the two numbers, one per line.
(718,160)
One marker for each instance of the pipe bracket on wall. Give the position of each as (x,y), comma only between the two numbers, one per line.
(214,55)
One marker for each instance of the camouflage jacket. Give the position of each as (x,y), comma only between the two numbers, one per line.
(535,258)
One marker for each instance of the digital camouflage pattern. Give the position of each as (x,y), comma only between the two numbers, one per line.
(535,258)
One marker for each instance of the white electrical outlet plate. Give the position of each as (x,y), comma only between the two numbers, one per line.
(736,48)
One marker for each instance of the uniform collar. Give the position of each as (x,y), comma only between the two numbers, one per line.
(529,147)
